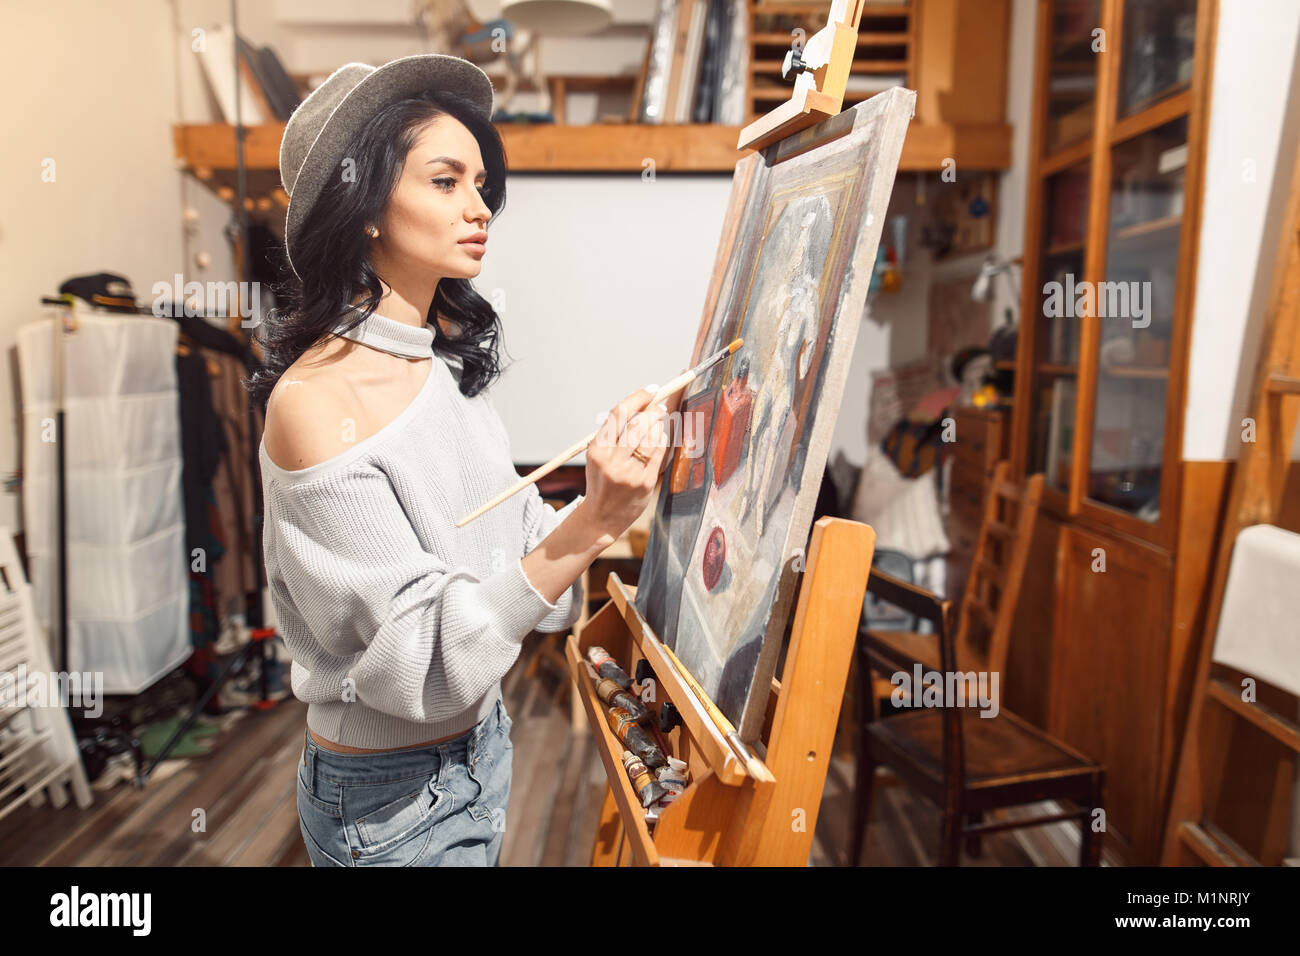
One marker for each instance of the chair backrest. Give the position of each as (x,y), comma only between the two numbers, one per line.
(939,612)
(988,606)
(877,614)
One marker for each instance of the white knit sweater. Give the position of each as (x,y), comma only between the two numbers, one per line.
(400,624)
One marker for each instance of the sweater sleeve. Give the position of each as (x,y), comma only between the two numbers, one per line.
(540,519)
(427,639)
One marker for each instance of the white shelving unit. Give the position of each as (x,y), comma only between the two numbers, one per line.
(38,750)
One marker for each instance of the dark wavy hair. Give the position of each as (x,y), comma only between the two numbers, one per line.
(330,252)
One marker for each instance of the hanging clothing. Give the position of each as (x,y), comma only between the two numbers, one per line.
(236,481)
(234,484)
(203,445)
(127,581)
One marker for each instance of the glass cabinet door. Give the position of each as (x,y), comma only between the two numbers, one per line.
(1072,80)
(1134,305)
(1159,52)
(1056,334)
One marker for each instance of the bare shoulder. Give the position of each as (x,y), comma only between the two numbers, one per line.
(305,415)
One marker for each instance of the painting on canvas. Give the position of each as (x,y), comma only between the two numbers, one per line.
(735,507)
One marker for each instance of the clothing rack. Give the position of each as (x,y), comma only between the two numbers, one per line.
(259,635)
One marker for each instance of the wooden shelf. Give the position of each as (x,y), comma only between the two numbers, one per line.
(1151,233)
(621,147)
(1133,371)
(774,93)
(864,39)
(607,147)
(1067,156)
(772,69)
(1063,249)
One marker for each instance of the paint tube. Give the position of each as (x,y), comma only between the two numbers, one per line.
(606,688)
(648,790)
(673,778)
(606,666)
(609,691)
(640,713)
(634,738)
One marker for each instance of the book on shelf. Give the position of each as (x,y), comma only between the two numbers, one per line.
(697,63)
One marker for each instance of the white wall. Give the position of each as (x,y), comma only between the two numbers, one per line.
(1254,120)
(92,86)
(600,282)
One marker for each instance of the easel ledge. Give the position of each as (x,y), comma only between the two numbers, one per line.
(725,816)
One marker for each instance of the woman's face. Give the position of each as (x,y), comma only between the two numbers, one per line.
(435,207)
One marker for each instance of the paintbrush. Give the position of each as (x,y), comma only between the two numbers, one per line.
(577,448)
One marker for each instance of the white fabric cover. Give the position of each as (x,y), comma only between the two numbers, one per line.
(128,587)
(903,511)
(1257,631)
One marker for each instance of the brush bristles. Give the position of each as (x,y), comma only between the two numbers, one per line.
(735,345)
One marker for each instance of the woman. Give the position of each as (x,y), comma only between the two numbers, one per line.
(379,437)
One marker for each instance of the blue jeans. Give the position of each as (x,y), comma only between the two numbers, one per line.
(442,805)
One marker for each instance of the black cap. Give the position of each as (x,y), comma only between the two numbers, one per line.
(106,290)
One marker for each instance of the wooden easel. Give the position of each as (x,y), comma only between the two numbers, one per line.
(821,71)
(1221,726)
(732,812)
(725,817)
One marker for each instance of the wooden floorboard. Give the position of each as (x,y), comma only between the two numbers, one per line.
(246,790)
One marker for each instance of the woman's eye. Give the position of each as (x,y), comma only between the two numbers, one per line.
(451,184)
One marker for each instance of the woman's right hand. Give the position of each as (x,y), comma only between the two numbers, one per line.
(619,486)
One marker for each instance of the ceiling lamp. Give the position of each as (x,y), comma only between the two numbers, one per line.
(558,17)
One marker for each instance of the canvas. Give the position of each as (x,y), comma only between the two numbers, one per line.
(735,507)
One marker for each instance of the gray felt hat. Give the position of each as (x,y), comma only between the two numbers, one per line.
(318,132)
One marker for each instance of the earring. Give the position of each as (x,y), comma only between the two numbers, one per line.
(373,231)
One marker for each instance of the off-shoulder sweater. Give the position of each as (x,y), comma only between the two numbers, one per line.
(399,624)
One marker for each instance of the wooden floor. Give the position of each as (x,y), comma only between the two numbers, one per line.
(246,790)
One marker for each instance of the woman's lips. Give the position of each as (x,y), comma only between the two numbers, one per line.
(474,248)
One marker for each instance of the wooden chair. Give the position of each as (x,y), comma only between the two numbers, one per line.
(965,763)
(988,603)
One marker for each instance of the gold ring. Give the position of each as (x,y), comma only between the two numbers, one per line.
(640,456)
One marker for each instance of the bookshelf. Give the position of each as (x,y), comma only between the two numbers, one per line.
(886,42)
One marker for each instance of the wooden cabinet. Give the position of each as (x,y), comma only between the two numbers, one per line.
(1109,669)
(1113,212)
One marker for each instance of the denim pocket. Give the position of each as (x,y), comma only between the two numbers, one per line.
(307,792)
(390,822)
